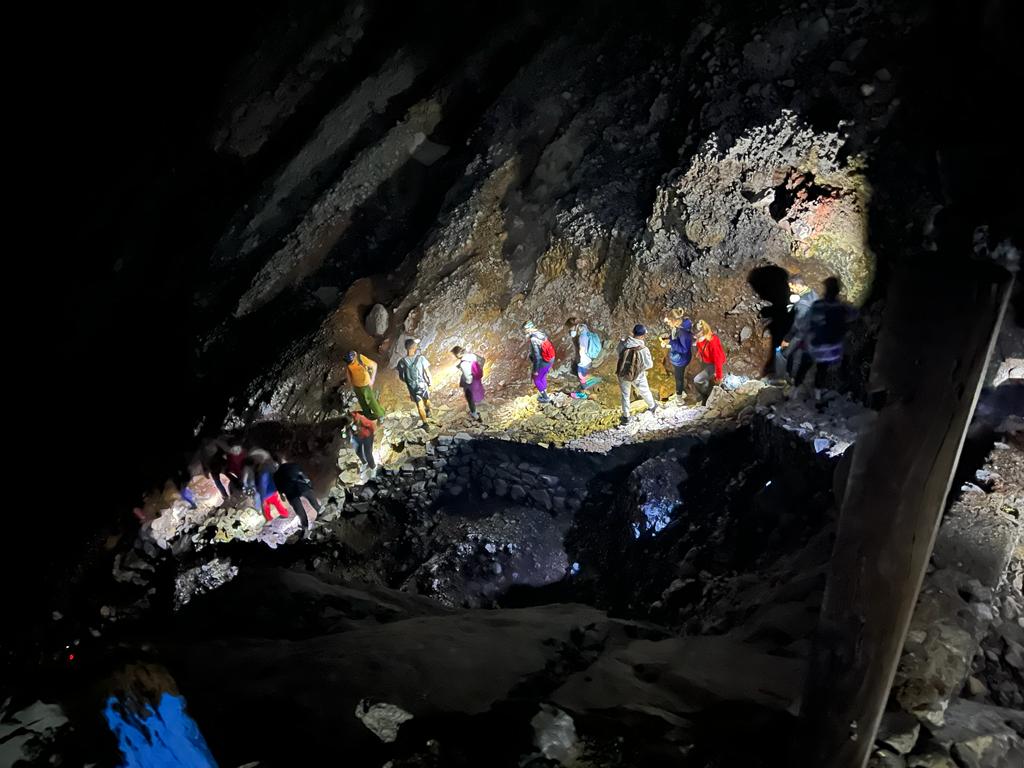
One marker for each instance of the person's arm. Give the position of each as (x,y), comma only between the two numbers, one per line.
(534,354)
(371,369)
(648,359)
(426,372)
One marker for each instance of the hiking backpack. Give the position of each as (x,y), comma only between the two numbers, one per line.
(547,351)
(478,367)
(593,345)
(628,366)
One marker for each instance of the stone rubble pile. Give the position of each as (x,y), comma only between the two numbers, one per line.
(960,676)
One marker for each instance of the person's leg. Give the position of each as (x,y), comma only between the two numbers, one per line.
(366,451)
(426,404)
(220,484)
(821,378)
(791,360)
(309,496)
(582,372)
(275,499)
(300,510)
(806,361)
(266,509)
(361,397)
(540,380)
(422,408)
(625,392)
(376,410)
(644,390)
(679,372)
(698,383)
(704,381)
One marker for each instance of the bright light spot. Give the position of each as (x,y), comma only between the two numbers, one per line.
(768,483)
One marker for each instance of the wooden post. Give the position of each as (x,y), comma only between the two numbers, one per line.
(938,330)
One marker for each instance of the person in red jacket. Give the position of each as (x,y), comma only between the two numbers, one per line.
(712,356)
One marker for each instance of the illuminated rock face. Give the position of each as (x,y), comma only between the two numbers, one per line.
(612,177)
(778,196)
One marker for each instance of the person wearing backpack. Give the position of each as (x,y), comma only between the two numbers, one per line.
(414,371)
(471,375)
(634,362)
(827,323)
(587,348)
(712,355)
(542,357)
(793,348)
(362,373)
(680,351)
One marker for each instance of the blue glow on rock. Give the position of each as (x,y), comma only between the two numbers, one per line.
(657,516)
(166,736)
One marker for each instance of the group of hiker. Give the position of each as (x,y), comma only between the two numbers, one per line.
(815,339)
(254,472)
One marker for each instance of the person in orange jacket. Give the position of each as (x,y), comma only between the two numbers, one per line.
(362,375)
(712,356)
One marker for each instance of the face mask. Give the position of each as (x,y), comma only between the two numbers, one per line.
(572,333)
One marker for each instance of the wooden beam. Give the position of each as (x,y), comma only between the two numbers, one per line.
(939,326)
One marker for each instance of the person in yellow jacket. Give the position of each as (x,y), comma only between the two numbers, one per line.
(362,372)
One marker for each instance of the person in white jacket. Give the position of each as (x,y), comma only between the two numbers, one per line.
(634,362)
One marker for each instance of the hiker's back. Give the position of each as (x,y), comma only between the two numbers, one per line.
(828,322)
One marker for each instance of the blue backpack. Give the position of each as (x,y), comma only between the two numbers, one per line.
(593,345)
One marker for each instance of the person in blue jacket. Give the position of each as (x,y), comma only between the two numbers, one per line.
(680,351)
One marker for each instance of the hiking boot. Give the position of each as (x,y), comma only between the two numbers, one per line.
(681,399)
(543,398)
(477,417)
(653,409)
(624,420)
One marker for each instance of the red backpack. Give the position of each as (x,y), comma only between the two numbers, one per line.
(547,351)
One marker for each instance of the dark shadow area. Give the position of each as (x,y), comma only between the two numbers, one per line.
(771,284)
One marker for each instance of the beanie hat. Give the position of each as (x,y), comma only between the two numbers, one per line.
(529,326)
(639,330)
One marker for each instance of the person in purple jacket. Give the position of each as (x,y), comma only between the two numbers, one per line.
(471,374)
